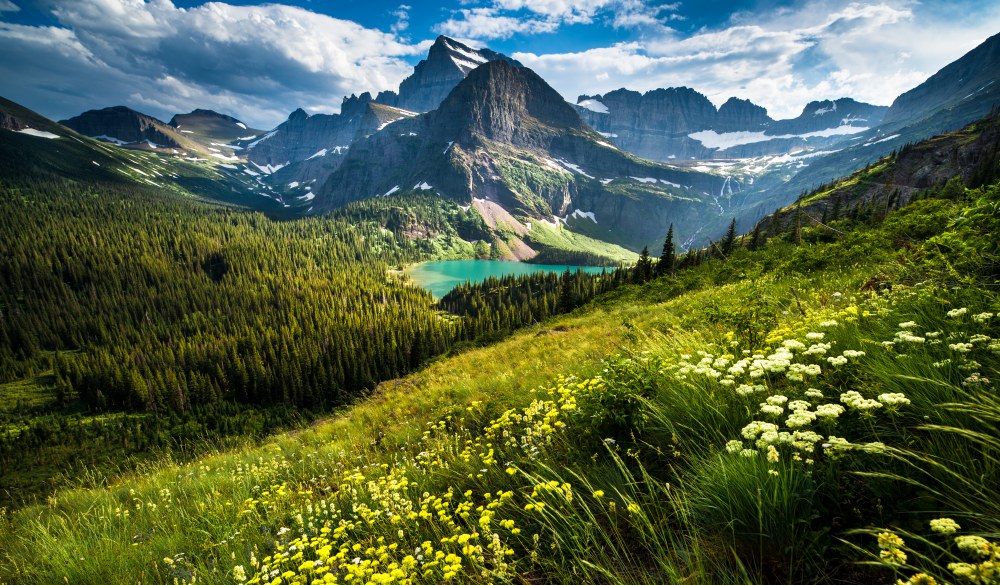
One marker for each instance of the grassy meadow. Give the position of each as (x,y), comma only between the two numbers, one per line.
(820,410)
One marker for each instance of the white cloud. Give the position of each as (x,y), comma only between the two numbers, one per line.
(783,59)
(8,6)
(502,19)
(247,60)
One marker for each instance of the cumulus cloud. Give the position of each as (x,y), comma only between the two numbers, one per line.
(781,59)
(247,60)
(502,19)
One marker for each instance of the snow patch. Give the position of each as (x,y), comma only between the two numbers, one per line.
(447,148)
(227,166)
(712,139)
(606,181)
(266,169)
(468,55)
(391,191)
(111,139)
(422,186)
(578,213)
(608,134)
(319,153)
(95,163)
(293,184)
(219,155)
(261,139)
(607,145)
(593,106)
(38,133)
(251,137)
(187,132)
(870,142)
(576,169)
(241,125)
(647,180)
(307,197)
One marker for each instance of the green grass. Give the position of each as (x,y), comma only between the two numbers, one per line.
(609,446)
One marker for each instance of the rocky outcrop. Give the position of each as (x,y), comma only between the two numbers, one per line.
(302,136)
(125,125)
(504,136)
(738,115)
(823,115)
(448,62)
(659,124)
(211,126)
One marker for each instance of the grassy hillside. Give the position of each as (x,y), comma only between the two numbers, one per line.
(818,409)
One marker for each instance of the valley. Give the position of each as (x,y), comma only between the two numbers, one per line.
(468,330)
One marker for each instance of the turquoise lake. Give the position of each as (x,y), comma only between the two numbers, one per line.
(441,276)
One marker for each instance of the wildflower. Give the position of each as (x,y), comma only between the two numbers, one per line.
(888,540)
(893,556)
(976,379)
(836,360)
(771,409)
(829,411)
(815,335)
(973,544)
(814,393)
(944,526)
(734,446)
(960,347)
(893,399)
(908,325)
(800,419)
(919,579)
(830,323)
(793,344)
(955,313)
(598,494)
(772,454)
(239,573)
(633,508)
(982,317)
(852,353)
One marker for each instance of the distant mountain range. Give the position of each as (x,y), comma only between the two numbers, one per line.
(477,127)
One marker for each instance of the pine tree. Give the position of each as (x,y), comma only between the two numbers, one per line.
(643,267)
(668,258)
(755,238)
(730,240)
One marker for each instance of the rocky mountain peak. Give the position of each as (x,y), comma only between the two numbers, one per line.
(506,103)
(741,115)
(123,124)
(298,115)
(448,62)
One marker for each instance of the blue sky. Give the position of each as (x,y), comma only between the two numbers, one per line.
(260,61)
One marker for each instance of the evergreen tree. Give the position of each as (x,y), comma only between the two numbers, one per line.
(643,270)
(668,258)
(730,240)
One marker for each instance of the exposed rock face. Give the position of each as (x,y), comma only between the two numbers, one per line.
(11,122)
(211,125)
(659,124)
(302,136)
(126,125)
(653,125)
(971,81)
(504,136)
(822,115)
(447,63)
(738,115)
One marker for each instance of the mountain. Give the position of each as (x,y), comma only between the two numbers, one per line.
(303,137)
(208,126)
(125,126)
(969,155)
(680,123)
(971,81)
(957,95)
(506,143)
(448,62)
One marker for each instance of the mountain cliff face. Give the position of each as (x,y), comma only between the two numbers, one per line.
(969,82)
(822,115)
(122,124)
(448,62)
(211,126)
(508,144)
(680,123)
